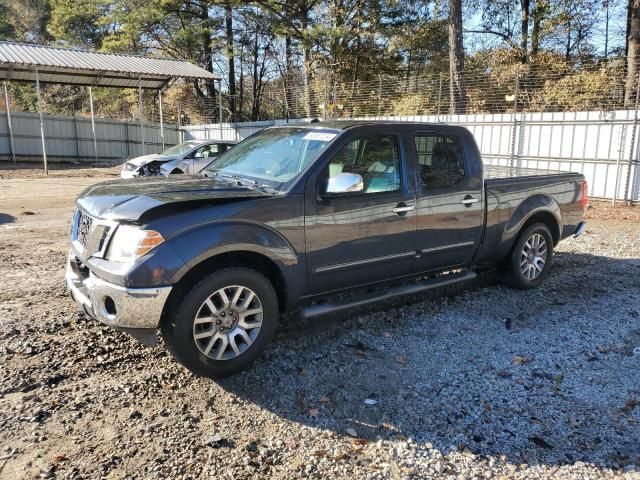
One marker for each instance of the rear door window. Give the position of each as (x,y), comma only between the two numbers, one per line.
(440,159)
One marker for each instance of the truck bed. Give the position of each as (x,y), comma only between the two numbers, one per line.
(512,193)
(495,172)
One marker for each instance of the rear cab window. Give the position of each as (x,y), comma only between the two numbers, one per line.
(440,160)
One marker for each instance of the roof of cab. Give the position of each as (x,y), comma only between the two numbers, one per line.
(345,124)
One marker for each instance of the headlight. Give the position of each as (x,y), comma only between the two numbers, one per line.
(129,243)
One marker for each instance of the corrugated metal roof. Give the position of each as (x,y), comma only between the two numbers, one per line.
(81,67)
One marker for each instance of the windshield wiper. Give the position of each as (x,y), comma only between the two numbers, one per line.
(241,181)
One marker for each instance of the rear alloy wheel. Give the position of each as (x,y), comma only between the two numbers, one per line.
(224,322)
(530,259)
(533,256)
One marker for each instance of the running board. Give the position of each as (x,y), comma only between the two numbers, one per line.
(443,280)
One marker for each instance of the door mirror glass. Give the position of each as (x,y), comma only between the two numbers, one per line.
(345,183)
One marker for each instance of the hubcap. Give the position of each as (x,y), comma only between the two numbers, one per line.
(228,322)
(533,257)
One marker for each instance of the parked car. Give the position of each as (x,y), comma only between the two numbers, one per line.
(187,157)
(320,218)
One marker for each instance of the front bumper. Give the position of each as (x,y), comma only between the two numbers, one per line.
(113,305)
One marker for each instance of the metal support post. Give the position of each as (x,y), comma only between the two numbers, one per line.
(12,145)
(141,114)
(93,126)
(515,121)
(220,105)
(161,119)
(439,97)
(44,148)
(179,123)
(632,148)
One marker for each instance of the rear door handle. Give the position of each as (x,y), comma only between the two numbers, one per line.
(403,208)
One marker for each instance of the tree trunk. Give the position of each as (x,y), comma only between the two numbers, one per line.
(524,26)
(255,99)
(228,17)
(538,16)
(288,78)
(208,48)
(456,57)
(633,48)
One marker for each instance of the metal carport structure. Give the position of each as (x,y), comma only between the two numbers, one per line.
(23,62)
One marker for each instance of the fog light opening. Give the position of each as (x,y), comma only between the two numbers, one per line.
(110,306)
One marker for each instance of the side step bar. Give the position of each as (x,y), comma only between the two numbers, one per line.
(444,280)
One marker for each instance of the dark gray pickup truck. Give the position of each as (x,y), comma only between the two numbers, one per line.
(316,219)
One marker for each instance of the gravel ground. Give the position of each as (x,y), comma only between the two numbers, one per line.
(487,382)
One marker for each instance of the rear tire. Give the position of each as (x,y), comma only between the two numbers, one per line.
(530,259)
(224,323)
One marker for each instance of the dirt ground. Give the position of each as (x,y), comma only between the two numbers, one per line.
(78,400)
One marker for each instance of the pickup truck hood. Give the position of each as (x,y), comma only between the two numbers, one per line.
(130,200)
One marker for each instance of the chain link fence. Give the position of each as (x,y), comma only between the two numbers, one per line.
(556,116)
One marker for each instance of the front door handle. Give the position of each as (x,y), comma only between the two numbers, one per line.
(469,200)
(403,208)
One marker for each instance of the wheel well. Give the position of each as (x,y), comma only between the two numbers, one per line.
(549,220)
(252,260)
(176,171)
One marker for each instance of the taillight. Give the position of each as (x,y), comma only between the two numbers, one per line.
(584,195)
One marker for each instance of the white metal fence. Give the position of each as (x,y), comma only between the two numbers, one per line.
(601,145)
(71,138)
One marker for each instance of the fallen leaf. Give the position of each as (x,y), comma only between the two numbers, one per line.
(359,441)
(319,453)
(401,359)
(324,399)
(522,360)
(314,412)
(351,432)
(59,458)
(361,353)
(541,442)
(370,401)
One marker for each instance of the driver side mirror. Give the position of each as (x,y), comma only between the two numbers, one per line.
(345,183)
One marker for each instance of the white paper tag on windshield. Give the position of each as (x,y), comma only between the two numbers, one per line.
(320,136)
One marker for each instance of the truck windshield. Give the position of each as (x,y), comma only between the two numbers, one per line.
(274,156)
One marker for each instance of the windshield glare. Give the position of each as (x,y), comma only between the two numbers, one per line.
(274,157)
(180,149)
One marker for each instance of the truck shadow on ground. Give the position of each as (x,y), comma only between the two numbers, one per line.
(6,218)
(541,376)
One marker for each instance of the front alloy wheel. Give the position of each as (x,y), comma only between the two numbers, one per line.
(223,323)
(228,322)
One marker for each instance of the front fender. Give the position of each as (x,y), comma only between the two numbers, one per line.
(204,242)
(526,209)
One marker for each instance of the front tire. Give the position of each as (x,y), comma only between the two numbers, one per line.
(224,323)
(530,260)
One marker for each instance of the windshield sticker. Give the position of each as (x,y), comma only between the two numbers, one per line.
(320,136)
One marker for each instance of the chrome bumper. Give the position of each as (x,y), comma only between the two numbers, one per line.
(116,306)
(580,230)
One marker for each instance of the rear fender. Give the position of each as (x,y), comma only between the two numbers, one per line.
(539,203)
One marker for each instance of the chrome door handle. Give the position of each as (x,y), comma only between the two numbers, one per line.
(469,201)
(404,209)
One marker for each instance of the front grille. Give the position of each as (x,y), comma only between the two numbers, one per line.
(83,228)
